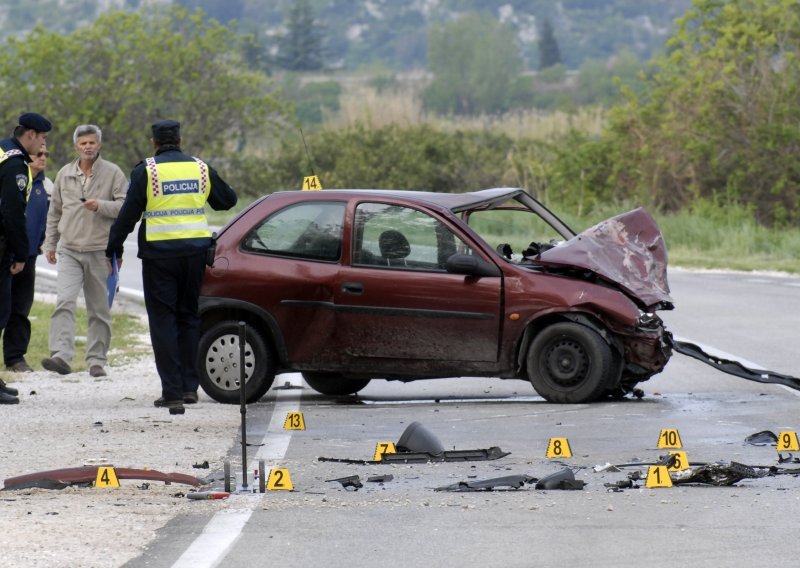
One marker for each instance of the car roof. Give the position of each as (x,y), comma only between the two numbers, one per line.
(455,202)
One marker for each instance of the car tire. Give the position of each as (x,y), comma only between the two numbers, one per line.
(333,384)
(570,363)
(218,363)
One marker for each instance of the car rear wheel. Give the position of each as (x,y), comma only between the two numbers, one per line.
(218,363)
(570,363)
(333,384)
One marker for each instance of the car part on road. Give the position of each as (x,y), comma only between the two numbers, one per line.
(736,368)
(506,482)
(350,481)
(203,495)
(716,474)
(417,444)
(381,478)
(87,475)
(763,438)
(417,438)
(564,479)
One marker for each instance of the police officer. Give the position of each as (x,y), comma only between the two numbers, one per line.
(15,184)
(169,192)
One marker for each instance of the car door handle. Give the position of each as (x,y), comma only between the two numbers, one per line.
(356,288)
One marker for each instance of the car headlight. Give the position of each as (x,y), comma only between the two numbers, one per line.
(648,320)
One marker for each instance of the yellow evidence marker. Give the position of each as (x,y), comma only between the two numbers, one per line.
(106,477)
(787,442)
(294,421)
(669,439)
(658,476)
(383,448)
(311,183)
(279,479)
(558,448)
(681,462)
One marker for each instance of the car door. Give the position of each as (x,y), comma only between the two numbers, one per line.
(397,302)
(290,268)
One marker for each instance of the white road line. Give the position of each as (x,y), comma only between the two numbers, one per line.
(725,355)
(225,527)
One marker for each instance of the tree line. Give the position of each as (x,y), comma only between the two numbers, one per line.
(714,119)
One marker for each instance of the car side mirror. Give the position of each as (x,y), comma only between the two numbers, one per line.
(470,265)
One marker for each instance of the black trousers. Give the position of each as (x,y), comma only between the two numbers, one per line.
(171,290)
(5,283)
(17,334)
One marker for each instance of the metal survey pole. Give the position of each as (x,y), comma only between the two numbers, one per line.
(243,401)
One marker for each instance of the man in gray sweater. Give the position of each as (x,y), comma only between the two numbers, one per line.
(87,196)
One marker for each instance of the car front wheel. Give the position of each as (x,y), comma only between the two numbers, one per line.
(218,363)
(570,363)
(333,384)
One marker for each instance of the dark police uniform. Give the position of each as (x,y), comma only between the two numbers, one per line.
(15,184)
(17,335)
(168,192)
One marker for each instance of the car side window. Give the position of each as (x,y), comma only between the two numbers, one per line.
(307,230)
(403,238)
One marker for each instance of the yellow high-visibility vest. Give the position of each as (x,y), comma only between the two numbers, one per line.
(176,197)
(14,152)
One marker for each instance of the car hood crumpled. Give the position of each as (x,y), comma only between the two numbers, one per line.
(627,250)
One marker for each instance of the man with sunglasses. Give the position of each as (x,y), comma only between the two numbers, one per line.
(15,183)
(17,335)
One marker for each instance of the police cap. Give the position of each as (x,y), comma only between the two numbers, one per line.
(166,130)
(34,121)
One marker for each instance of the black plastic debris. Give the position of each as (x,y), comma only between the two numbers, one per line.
(381,478)
(287,386)
(763,438)
(417,438)
(564,479)
(203,465)
(417,444)
(736,368)
(716,474)
(492,453)
(507,482)
(350,481)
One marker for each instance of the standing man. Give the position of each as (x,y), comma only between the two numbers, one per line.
(17,335)
(171,190)
(15,183)
(87,197)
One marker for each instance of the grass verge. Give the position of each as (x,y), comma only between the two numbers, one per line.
(129,339)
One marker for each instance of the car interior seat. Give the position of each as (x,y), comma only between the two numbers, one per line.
(394,247)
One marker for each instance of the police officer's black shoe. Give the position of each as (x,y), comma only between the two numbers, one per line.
(174,406)
(190,397)
(8,390)
(6,398)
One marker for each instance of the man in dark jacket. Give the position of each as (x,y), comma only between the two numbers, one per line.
(17,335)
(169,192)
(15,183)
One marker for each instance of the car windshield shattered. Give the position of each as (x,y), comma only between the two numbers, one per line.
(627,250)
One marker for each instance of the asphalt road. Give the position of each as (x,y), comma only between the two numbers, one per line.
(404,522)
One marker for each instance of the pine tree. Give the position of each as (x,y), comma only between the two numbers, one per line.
(300,49)
(549,54)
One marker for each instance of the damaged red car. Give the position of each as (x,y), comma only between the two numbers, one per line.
(350,286)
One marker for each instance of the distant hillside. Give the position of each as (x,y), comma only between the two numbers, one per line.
(394,33)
